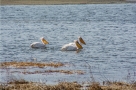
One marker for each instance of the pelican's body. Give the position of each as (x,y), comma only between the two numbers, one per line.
(73,46)
(39,45)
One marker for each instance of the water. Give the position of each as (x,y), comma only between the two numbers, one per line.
(109,31)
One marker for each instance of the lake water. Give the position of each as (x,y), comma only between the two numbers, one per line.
(109,31)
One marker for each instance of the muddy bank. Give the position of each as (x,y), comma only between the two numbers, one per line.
(56,2)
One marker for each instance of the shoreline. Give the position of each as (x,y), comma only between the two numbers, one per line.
(59,2)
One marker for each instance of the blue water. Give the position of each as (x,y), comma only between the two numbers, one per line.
(109,31)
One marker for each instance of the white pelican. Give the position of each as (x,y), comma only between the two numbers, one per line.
(73,46)
(40,45)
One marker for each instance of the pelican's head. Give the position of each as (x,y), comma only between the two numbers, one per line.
(78,45)
(44,41)
(81,40)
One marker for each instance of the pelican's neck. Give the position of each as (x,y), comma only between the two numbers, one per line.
(78,45)
(42,41)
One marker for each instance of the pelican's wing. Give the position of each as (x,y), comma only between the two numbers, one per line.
(71,44)
(37,45)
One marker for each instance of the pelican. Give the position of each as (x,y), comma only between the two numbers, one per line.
(40,45)
(73,46)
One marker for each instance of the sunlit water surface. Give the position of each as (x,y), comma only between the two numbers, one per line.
(109,31)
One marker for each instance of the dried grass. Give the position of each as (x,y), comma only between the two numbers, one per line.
(24,85)
(117,85)
(24,65)
(27,64)
(94,86)
(54,71)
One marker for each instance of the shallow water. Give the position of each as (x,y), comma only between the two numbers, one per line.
(109,31)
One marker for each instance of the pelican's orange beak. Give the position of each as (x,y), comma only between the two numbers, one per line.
(45,41)
(82,41)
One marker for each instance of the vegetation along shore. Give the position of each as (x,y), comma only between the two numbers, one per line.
(21,84)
